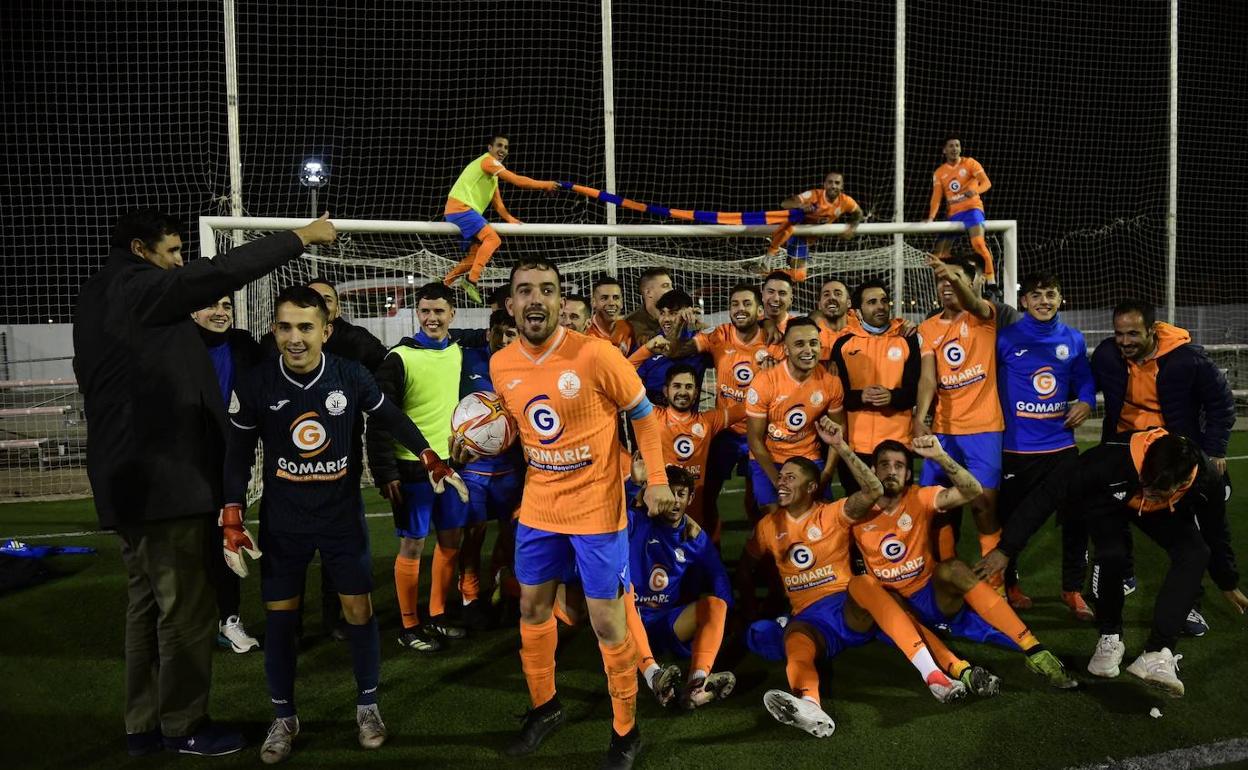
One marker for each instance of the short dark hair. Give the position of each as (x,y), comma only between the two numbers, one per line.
(890,445)
(799,322)
(498,295)
(577,298)
(977,261)
(679,477)
(966,265)
(605,280)
(323,282)
(502,318)
(1039,280)
(148,225)
(1145,309)
(870,283)
(650,273)
(678,369)
(751,288)
(949,137)
(676,299)
(1169,462)
(534,263)
(779,275)
(836,171)
(495,137)
(301,296)
(435,290)
(809,469)
(833,279)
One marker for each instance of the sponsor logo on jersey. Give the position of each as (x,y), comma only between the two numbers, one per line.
(892,548)
(569,384)
(658,578)
(320,470)
(1044,382)
(743,373)
(795,418)
(801,556)
(544,419)
(309,435)
(277,407)
(810,576)
(336,403)
(968,376)
(953,353)
(683,446)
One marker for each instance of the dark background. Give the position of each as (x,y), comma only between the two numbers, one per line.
(109,105)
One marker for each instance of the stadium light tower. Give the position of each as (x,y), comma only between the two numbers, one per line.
(314,175)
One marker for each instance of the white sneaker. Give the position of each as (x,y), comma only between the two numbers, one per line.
(1159,669)
(232,631)
(1107,657)
(788,709)
(372,729)
(945,689)
(277,744)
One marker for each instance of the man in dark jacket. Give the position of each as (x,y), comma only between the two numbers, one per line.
(155,456)
(1153,376)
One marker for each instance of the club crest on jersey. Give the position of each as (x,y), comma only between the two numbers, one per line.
(813,533)
(743,373)
(336,402)
(751,397)
(801,556)
(1044,382)
(658,578)
(235,406)
(905,523)
(892,548)
(795,418)
(894,353)
(683,447)
(1062,352)
(569,384)
(953,353)
(309,435)
(816,398)
(679,553)
(760,355)
(544,419)
(698,430)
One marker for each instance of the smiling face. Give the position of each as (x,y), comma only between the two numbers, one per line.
(217,317)
(743,311)
(1134,339)
(794,487)
(833,185)
(681,392)
(834,300)
(801,345)
(499,148)
(875,308)
(435,316)
(330,295)
(944,289)
(669,319)
(1042,303)
(953,150)
(893,471)
(300,333)
(608,302)
(574,315)
(534,303)
(777,298)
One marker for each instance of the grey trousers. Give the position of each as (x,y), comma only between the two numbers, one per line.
(171,623)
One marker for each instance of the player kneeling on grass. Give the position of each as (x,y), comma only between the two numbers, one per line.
(898,540)
(809,542)
(305,406)
(683,600)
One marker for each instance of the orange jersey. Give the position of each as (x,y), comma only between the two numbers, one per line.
(951,181)
(828,338)
(811,552)
(896,545)
(736,363)
(864,359)
(687,443)
(792,408)
(621,334)
(825,211)
(965,350)
(566,397)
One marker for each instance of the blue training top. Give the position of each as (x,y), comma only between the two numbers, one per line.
(670,570)
(1042,368)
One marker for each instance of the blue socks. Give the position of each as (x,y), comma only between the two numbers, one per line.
(365,644)
(281,640)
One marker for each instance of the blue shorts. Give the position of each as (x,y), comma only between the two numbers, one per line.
(661,630)
(422,506)
(601,561)
(345,559)
(969,218)
(966,624)
(798,248)
(469,223)
(492,496)
(764,491)
(729,451)
(979,453)
(765,638)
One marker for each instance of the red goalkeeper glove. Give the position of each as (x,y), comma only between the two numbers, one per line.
(441,474)
(236,539)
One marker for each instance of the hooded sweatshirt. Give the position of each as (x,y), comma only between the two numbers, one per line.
(1141,408)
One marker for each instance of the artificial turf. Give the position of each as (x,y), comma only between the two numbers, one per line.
(61,698)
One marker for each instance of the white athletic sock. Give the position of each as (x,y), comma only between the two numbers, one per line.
(696,675)
(922,660)
(649,673)
(812,700)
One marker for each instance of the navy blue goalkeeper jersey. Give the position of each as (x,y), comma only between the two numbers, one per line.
(307,423)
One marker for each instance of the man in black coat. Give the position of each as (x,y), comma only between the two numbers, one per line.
(155,454)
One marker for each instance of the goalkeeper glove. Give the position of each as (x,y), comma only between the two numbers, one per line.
(236,539)
(440,473)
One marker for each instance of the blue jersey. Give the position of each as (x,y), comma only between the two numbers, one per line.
(653,372)
(1042,368)
(670,570)
(475,377)
(308,423)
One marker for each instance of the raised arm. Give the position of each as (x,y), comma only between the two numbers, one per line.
(970,301)
(870,489)
(925,394)
(965,486)
(497,201)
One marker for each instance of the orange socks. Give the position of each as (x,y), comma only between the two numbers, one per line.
(988,543)
(443,575)
(637,632)
(619,662)
(993,608)
(469,585)
(980,244)
(944,657)
(799,653)
(796,271)
(489,244)
(888,614)
(712,612)
(407,586)
(464,265)
(537,658)
(778,238)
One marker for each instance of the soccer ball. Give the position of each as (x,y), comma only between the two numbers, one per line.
(485,427)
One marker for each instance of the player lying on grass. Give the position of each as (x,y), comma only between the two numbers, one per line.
(897,537)
(809,542)
(306,407)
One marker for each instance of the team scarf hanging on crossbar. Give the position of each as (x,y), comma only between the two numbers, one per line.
(780,217)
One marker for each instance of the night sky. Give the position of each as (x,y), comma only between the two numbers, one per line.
(112,105)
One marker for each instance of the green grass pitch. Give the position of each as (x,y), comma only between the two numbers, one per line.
(61,699)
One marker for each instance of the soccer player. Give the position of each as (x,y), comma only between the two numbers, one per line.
(809,543)
(958,375)
(653,283)
(777,299)
(1157,481)
(565,390)
(607,323)
(683,591)
(898,537)
(422,374)
(476,188)
(879,370)
(654,358)
(960,182)
(304,407)
(822,206)
(575,313)
(782,407)
(1046,390)
(832,315)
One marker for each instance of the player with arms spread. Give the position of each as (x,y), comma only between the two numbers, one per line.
(959,182)
(476,188)
(822,206)
(565,391)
